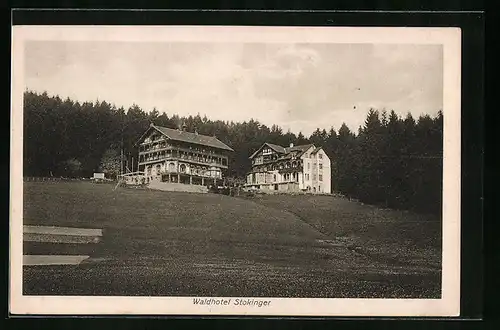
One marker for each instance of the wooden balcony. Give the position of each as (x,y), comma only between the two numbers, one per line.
(290,169)
(152,160)
(183,152)
(167,146)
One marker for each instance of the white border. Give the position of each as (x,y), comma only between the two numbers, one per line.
(448,305)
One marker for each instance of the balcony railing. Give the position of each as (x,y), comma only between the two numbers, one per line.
(149,147)
(182,154)
(186,159)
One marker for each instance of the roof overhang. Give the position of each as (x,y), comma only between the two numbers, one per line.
(152,126)
(306,150)
(317,150)
(146,132)
(260,148)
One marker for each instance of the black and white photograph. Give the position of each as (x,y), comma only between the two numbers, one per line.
(235,170)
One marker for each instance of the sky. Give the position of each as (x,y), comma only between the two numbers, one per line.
(297,86)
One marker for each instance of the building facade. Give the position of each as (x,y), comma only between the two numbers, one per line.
(303,168)
(174,155)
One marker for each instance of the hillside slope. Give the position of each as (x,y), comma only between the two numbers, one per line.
(394,236)
(173,243)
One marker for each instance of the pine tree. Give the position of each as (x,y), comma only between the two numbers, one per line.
(301,139)
(153,115)
(111,162)
(317,138)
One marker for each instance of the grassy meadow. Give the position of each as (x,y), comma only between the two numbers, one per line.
(173,243)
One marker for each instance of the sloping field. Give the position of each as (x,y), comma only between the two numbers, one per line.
(139,222)
(173,243)
(400,237)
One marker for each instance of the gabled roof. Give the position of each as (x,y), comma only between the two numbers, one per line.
(301,149)
(275,147)
(177,135)
(285,152)
(316,150)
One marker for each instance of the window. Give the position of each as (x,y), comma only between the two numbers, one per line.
(320,176)
(274,178)
(307,176)
(314,176)
(320,166)
(320,156)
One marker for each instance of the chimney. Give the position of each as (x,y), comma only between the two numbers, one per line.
(291,145)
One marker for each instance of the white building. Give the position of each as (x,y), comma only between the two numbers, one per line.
(304,168)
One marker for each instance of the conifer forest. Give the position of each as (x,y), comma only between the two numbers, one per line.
(391,161)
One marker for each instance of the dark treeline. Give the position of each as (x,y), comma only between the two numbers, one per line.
(391,161)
